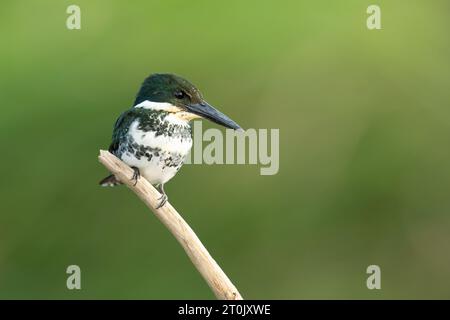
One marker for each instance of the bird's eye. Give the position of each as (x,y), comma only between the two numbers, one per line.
(179,95)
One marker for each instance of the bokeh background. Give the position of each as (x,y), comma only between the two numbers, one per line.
(364,125)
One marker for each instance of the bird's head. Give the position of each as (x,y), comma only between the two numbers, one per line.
(174,94)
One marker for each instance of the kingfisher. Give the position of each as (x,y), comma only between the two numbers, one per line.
(154,136)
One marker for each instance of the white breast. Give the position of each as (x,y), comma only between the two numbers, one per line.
(168,143)
(156,170)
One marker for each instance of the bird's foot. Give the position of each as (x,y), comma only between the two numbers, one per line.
(163,199)
(136,175)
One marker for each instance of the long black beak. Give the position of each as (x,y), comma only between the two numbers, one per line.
(207,111)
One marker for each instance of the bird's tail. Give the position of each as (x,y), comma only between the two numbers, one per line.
(110,181)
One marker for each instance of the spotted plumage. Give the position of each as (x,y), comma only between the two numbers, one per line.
(152,140)
(154,136)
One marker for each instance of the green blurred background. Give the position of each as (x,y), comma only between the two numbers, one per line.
(364,125)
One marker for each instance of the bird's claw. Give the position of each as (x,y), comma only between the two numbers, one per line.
(162,202)
(163,198)
(136,175)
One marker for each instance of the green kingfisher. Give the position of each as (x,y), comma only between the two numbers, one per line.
(154,137)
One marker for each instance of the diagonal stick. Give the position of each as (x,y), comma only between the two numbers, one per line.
(200,257)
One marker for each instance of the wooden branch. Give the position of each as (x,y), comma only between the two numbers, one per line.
(200,257)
